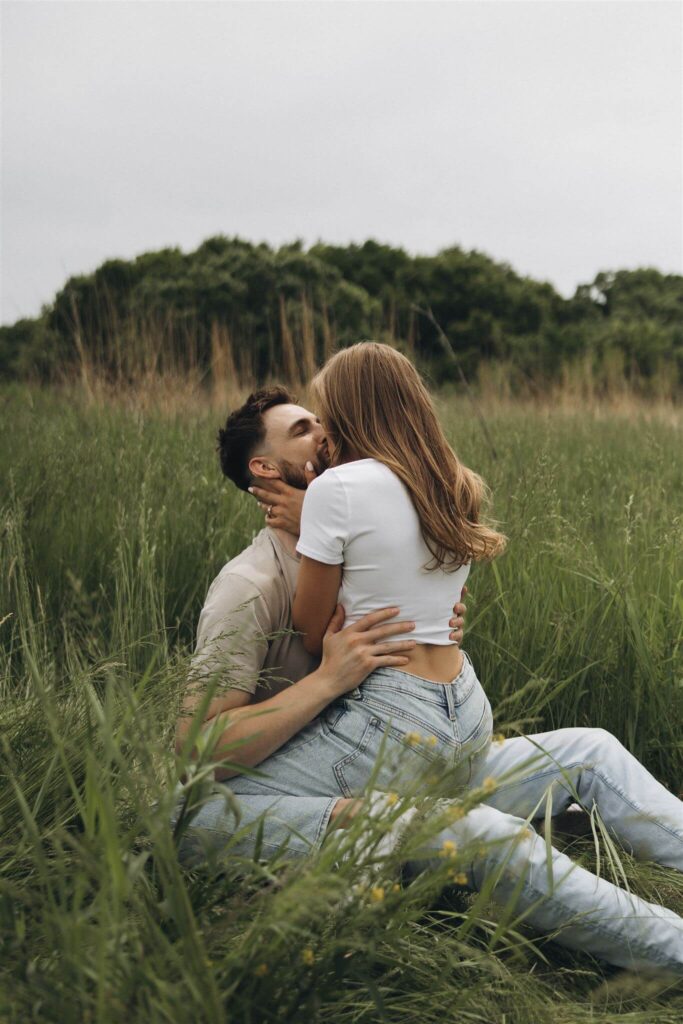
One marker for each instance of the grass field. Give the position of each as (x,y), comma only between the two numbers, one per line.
(114,521)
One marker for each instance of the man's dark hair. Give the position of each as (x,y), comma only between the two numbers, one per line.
(244,430)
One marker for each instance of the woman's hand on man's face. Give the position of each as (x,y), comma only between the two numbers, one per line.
(281,502)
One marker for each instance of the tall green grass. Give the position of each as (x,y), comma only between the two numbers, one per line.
(113,522)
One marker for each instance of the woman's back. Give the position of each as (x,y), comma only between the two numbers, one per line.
(361,514)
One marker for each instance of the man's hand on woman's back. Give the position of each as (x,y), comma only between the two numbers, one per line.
(351,654)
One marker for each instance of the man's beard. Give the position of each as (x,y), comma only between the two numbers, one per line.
(295,476)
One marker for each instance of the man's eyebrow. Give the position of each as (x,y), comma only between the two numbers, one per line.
(304,421)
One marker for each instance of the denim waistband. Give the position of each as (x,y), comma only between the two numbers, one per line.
(405,682)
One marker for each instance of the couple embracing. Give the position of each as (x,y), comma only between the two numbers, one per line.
(372,523)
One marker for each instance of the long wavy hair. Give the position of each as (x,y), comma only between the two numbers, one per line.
(373,404)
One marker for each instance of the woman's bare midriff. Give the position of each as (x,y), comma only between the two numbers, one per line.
(440,663)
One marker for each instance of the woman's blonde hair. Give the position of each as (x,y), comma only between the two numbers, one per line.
(373,404)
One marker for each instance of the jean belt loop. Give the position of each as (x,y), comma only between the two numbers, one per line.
(450,701)
(354,694)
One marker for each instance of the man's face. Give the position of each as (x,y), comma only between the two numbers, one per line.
(294,437)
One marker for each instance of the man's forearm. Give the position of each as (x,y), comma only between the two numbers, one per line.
(286,714)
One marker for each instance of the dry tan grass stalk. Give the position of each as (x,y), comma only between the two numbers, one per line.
(308,361)
(329,345)
(289,367)
(84,359)
(410,340)
(224,378)
(392,317)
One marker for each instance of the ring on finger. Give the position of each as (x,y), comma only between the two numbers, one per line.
(269,511)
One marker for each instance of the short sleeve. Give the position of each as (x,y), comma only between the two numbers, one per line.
(232,635)
(324,520)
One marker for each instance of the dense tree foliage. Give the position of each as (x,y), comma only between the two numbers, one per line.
(254,311)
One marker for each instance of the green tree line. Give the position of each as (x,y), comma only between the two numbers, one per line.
(253,311)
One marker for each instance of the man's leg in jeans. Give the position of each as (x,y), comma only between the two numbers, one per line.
(234,824)
(553,894)
(591,767)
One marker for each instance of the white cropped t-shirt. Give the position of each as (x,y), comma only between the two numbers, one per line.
(361,514)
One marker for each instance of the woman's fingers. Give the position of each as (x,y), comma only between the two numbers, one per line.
(266,498)
(267,494)
(273,515)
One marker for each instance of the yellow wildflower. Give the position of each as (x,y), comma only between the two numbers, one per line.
(261,970)
(413,738)
(392,798)
(455,813)
(377,894)
(449,848)
(308,957)
(396,887)
(431,741)
(498,739)
(489,785)
(459,877)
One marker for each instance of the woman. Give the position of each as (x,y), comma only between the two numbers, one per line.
(396,521)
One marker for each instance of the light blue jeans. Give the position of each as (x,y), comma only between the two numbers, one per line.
(424,727)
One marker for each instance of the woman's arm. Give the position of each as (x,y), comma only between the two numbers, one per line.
(316,597)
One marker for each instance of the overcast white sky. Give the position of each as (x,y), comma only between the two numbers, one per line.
(547,134)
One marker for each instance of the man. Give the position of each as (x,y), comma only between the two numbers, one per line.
(273,447)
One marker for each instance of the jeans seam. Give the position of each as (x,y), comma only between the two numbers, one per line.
(473,733)
(195,832)
(370,691)
(396,734)
(324,822)
(336,716)
(264,785)
(460,699)
(553,901)
(615,789)
(379,706)
(558,771)
(637,945)
(339,766)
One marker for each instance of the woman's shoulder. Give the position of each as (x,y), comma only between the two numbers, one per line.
(360,469)
(363,476)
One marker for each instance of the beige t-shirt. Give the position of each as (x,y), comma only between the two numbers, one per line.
(248,602)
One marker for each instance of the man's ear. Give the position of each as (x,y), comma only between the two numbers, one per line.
(265,468)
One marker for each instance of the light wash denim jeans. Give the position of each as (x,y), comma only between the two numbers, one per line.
(335,754)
